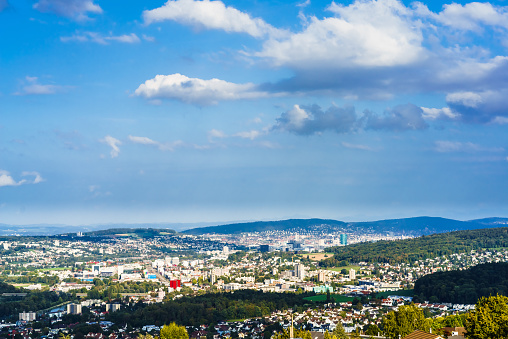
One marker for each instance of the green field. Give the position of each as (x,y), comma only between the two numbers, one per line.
(338,269)
(322,297)
(406,293)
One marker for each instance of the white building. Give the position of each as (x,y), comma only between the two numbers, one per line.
(352,274)
(28,316)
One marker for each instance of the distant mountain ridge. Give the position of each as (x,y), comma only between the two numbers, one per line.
(415,226)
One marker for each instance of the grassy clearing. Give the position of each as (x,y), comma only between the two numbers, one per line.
(338,269)
(322,297)
(316,256)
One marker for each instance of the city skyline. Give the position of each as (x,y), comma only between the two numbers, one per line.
(208,111)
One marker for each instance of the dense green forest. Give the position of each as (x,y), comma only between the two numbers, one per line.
(409,250)
(209,308)
(34,300)
(464,287)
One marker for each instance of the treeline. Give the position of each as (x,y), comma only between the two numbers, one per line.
(33,301)
(464,287)
(209,308)
(409,250)
(31,279)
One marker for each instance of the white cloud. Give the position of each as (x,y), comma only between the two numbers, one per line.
(194,90)
(296,117)
(74,9)
(468,99)
(113,143)
(216,134)
(31,86)
(357,146)
(101,39)
(500,120)
(142,140)
(444,146)
(7,180)
(471,16)
(210,15)
(365,33)
(162,146)
(148,38)
(37,177)
(438,113)
(248,134)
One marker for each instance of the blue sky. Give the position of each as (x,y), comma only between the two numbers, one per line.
(192,111)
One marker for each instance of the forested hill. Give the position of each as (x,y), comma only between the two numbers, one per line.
(410,226)
(261,226)
(464,287)
(130,232)
(424,247)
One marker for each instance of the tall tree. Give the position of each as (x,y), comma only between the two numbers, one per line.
(489,319)
(404,321)
(339,332)
(173,331)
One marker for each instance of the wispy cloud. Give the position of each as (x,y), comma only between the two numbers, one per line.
(113,143)
(170,146)
(74,9)
(100,38)
(357,146)
(445,146)
(31,86)
(7,180)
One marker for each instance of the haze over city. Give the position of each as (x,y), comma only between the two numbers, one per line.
(209,111)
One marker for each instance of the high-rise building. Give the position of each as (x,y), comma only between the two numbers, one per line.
(27,316)
(112,307)
(343,239)
(352,274)
(300,271)
(73,309)
(321,277)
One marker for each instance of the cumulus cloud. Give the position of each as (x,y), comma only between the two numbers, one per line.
(488,106)
(113,143)
(399,118)
(162,146)
(210,15)
(31,86)
(74,9)
(365,33)
(307,120)
(101,39)
(471,16)
(445,146)
(194,90)
(7,180)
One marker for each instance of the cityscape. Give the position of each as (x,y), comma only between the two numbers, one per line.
(300,169)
